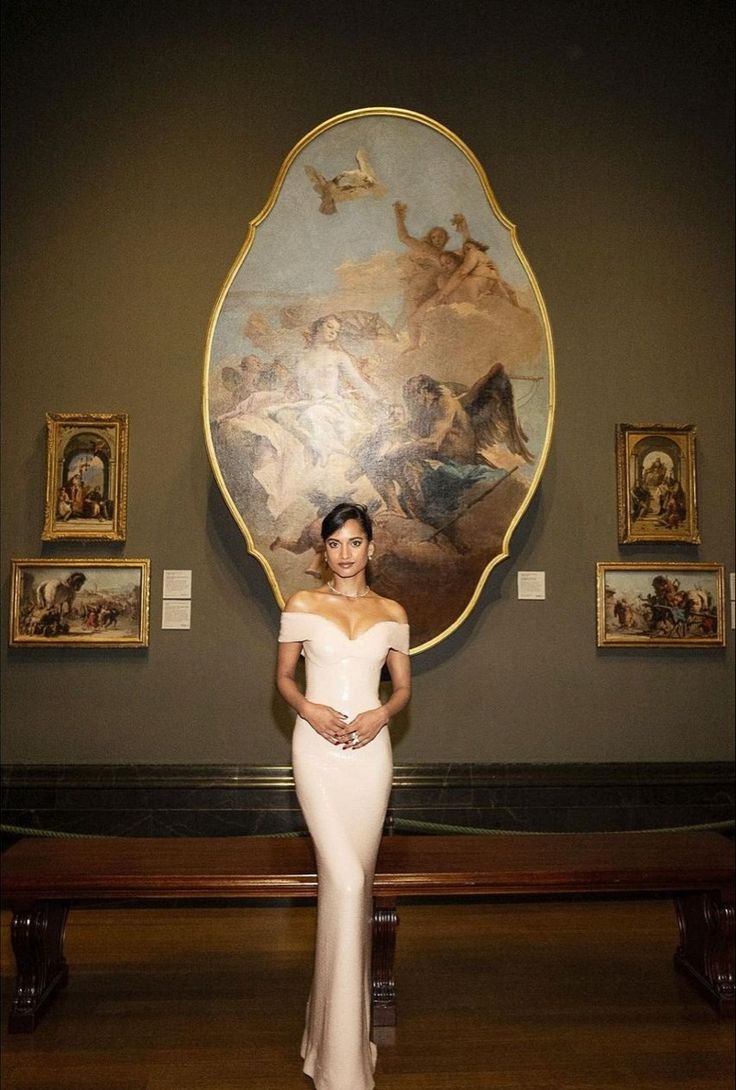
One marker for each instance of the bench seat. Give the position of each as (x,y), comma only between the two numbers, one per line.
(43,878)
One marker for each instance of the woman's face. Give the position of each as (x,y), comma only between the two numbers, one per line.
(438,238)
(346,551)
(329,331)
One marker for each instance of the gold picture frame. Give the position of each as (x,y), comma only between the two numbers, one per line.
(79,603)
(657,604)
(379,294)
(656,483)
(86,477)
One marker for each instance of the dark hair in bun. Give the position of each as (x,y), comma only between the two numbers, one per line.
(343,513)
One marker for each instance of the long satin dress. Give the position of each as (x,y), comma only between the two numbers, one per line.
(343,794)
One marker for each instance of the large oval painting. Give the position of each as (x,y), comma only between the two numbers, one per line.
(381,338)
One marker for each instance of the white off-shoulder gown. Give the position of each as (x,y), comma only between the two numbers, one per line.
(343,794)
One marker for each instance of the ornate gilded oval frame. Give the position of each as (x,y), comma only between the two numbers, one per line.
(385,341)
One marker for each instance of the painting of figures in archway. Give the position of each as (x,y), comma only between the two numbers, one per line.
(655,483)
(381,338)
(86,476)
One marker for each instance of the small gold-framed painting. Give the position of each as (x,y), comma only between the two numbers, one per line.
(660,605)
(79,603)
(86,477)
(655,483)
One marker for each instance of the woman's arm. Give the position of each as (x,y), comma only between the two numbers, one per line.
(417,245)
(400,213)
(399,668)
(369,724)
(286,676)
(326,721)
(460,224)
(353,377)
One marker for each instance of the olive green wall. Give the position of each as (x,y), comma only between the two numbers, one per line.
(140,138)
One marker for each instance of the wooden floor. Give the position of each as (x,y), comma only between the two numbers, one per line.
(493,996)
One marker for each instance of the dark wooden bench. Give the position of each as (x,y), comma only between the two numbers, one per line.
(42,878)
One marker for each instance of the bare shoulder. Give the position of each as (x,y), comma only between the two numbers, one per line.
(301,602)
(394,610)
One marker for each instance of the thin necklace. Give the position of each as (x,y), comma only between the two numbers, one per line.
(344,595)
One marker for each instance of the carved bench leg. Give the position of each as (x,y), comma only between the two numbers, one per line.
(383,997)
(705,953)
(38,942)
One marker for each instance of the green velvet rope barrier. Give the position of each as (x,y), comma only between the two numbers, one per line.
(25,830)
(429,827)
(56,834)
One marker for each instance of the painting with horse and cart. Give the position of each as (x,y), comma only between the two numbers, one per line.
(79,603)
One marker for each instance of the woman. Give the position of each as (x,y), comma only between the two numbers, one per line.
(342,769)
(335,402)
(310,426)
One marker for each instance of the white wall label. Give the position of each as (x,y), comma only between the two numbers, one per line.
(530,584)
(176,613)
(177,583)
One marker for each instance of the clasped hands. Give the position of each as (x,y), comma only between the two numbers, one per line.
(334,728)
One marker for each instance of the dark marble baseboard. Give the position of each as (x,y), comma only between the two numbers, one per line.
(236,800)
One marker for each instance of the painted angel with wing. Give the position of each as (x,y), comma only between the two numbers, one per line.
(449,441)
(489,405)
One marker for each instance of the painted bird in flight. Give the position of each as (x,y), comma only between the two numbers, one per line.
(348,185)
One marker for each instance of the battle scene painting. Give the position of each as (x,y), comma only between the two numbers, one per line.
(654,605)
(381,339)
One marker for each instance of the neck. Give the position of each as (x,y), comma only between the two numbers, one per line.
(353,587)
